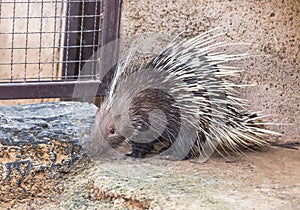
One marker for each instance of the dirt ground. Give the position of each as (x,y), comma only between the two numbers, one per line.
(268,179)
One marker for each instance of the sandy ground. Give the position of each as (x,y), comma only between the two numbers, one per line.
(268,179)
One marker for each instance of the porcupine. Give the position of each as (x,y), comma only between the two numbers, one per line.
(182,99)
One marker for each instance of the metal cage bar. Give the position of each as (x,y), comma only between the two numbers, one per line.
(78,16)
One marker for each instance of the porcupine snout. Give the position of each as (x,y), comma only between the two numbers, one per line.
(105,134)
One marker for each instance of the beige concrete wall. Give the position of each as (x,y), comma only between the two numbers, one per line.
(271,27)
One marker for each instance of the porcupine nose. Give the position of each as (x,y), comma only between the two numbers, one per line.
(92,148)
(93,145)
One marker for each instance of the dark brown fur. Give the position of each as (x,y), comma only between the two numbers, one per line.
(145,102)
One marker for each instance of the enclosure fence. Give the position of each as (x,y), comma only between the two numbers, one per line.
(44,44)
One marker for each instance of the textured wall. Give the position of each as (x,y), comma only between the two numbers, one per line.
(271,27)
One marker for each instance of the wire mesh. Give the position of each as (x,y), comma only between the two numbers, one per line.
(47,40)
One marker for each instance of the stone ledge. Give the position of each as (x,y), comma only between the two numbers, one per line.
(39,143)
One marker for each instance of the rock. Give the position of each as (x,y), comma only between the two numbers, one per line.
(39,143)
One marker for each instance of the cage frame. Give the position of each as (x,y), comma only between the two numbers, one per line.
(111,10)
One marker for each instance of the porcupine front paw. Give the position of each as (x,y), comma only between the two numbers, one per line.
(136,155)
(140,150)
(167,154)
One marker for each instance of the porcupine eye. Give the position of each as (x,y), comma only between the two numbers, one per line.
(111,130)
